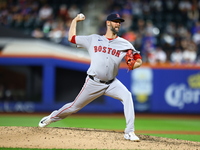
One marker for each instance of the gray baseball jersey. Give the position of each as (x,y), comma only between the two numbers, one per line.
(106,56)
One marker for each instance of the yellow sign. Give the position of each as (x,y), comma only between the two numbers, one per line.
(194,81)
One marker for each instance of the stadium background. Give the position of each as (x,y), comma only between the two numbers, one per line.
(40,70)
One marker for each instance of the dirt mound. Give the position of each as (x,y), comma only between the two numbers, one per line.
(78,138)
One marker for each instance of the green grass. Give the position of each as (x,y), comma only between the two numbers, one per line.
(167,124)
(79,122)
(178,136)
(108,123)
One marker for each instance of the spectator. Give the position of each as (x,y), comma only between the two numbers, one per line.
(140,32)
(45,13)
(195,28)
(151,29)
(189,56)
(140,27)
(63,13)
(73,11)
(193,14)
(181,30)
(158,55)
(156,6)
(37,33)
(18,20)
(196,37)
(170,28)
(136,8)
(146,8)
(127,15)
(47,27)
(147,51)
(189,51)
(184,5)
(130,36)
(169,5)
(176,57)
(57,33)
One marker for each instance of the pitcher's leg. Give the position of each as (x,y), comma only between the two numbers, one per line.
(90,91)
(129,113)
(118,91)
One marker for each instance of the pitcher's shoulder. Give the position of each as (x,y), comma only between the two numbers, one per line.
(122,39)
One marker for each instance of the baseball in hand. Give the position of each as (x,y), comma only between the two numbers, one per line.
(81,16)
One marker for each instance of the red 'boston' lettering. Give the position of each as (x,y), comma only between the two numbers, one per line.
(113,51)
(104,49)
(108,50)
(100,48)
(95,49)
(117,54)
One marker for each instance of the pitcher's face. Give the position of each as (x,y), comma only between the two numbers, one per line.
(114,26)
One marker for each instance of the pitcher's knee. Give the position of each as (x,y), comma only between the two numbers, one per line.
(74,109)
(127,95)
(127,98)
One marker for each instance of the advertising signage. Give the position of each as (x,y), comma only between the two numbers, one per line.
(177,91)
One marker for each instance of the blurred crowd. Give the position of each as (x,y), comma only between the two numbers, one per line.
(162,30)
(46,19)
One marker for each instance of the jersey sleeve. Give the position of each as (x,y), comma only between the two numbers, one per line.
(73,40)
(83,41)
(133,48)
(126,45)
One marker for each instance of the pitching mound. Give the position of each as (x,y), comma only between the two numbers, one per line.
(78,138)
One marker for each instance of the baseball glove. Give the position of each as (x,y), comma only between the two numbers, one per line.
(131,58)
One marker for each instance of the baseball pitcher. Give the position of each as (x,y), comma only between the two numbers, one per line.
(106,52)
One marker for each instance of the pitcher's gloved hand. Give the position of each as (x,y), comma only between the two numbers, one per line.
(131,58)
